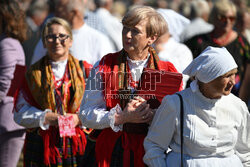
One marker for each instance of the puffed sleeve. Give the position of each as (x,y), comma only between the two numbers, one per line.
(93,112)
(243,143)
(29,116)
(161,132)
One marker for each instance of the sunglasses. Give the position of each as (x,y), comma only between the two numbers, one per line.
(225,18)
(53,37)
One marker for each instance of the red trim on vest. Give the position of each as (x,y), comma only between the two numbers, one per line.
(87,67)
(107,139)
(49,136)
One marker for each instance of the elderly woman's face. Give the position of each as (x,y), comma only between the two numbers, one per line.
(225,21)
(58,42)
(135,38)
(222,85)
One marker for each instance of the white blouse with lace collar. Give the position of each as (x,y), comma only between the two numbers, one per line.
(136,67)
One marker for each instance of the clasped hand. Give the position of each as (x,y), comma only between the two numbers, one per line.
(52,119)
(136,111)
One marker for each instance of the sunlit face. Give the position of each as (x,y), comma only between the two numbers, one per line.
(135,38)
(225,21)
(57,42)
(222,85)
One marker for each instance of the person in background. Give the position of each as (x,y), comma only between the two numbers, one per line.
(216,123)
(223,16)
(200,11)
(175,52)
(241,4)
(242,24)
(244,92)
(112,27)
(54,86)
(111,106)
(119,9)
(210,3)
(36,14)
(12,32)
(91,19)
(184,9)
(161,4)
(89,44)
(24,4)
(176,22)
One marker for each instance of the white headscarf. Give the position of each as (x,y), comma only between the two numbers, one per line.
(210,64)
(176,22)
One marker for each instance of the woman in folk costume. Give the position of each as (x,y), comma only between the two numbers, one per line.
(110,104)
(216,123)
(54,86)
(223,16)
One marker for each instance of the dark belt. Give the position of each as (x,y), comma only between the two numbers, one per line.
(136,128)
(133,128)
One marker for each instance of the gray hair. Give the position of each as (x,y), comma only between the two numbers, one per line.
(200,7)
(37,7)
(73,4)
(76,4)
(156,24)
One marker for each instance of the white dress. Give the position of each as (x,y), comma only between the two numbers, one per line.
(216,132)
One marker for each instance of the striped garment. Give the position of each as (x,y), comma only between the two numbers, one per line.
(33,156)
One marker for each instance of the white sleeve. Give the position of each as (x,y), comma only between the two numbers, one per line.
(39,52)
(93,113)
(29,116)
(160,133)
(243,143)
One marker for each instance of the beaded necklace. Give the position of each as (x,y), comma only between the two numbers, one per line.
(222,42)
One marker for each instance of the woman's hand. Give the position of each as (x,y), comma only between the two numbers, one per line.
(51,119)
(136,111)
(75,119)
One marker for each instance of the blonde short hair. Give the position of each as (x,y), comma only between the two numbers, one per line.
(156,25)
(56,20)
(220,8)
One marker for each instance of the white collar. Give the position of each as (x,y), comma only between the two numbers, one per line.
(137,62)
(136,67)
(58,68)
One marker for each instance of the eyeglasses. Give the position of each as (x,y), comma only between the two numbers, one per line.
(53,37)
(225,18)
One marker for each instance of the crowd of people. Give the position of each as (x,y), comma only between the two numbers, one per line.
(113,83)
